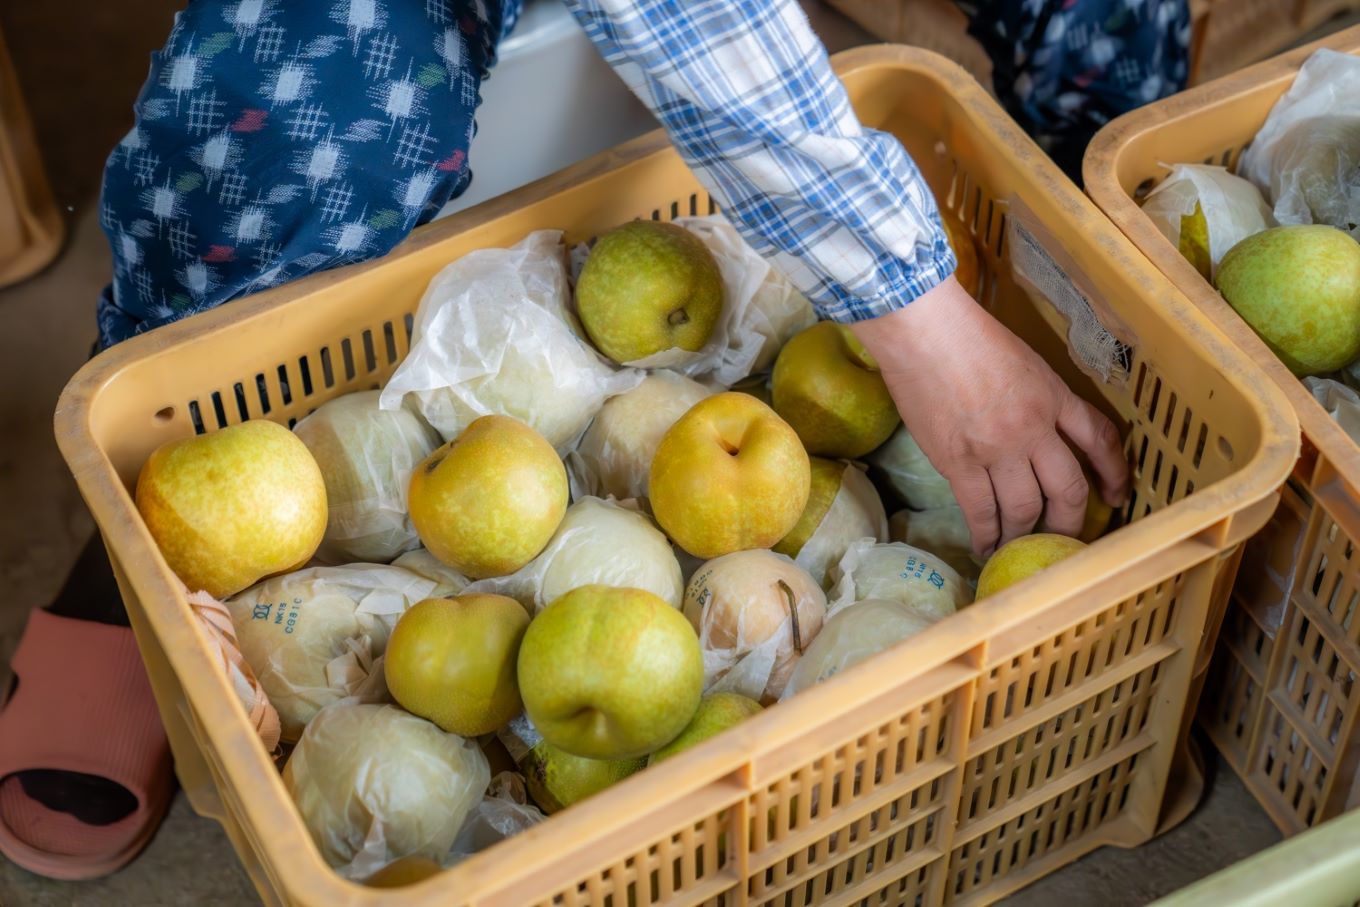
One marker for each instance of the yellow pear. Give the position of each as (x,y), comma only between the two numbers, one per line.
(487,502)
(1022,558)
(234,506)
(729,475)
(828,387)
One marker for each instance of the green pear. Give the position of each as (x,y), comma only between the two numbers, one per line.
(828,387)
(649,287)
(231,507)
(826,482)
(1299,288)
(487,502)
(610,673)
(556,779)
(717,712)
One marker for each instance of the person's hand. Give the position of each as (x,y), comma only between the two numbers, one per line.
(992,417)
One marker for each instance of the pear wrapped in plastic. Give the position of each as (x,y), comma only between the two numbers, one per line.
(852,634)
(898,572)
(374,784)
(1306,155)
(909,472)
(1204,211)
(597,543)
(366,455)
(942,532)
(504,812)
(614,458)
(494,336)
(313,637)
(843,506)
(756,612)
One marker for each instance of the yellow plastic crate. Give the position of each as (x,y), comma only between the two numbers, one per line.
(1282,703)
(991,749)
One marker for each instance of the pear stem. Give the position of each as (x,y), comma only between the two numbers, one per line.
(793,615)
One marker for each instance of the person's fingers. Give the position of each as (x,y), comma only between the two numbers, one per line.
(973,490)
(1018,496)
(1097,437)
(1063,484)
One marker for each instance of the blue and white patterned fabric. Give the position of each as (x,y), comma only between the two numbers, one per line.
(278,138)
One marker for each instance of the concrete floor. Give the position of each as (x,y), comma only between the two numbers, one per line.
(81,112)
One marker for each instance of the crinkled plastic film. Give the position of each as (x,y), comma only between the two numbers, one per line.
(1341,402)
(312,636)
(366,455)
(854,632)
(855,512)
(599,542)
(494,334)
(755,612)
(504,812)
(1306,156)
(898,572)
(1232,209)
(375,784)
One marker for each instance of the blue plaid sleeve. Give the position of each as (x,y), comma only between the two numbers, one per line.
(747,94)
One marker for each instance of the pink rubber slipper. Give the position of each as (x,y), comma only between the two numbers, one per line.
(82,704)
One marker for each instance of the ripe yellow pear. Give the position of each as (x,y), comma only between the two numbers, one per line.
(487,502)
(452,660)
(969,271)
(1022,558)
(649,287)
(610,673)
(729,475)
(234,506)
(828,387)
(403,872)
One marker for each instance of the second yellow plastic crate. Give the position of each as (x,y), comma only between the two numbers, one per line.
(1282,702)
(991,749)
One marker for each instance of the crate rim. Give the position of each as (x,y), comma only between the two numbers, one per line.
(1190,526)
(1100,168)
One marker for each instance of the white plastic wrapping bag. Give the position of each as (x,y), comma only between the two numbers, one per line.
(1341,402)
(1307,155)
(855,512)
(374,784)
(766,309)
(313,637)
(504,812)
(1204,211)
(756,612)
(598,542)
(944,533)
(898,572)
(366,455)
(448,581)
(909,472)
(494,336)
(852,634)
(614,458)
(761,310)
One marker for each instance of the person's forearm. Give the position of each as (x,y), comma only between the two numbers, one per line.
(748,96)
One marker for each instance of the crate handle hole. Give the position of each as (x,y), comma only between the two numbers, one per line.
(1225,449)
(165,414)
